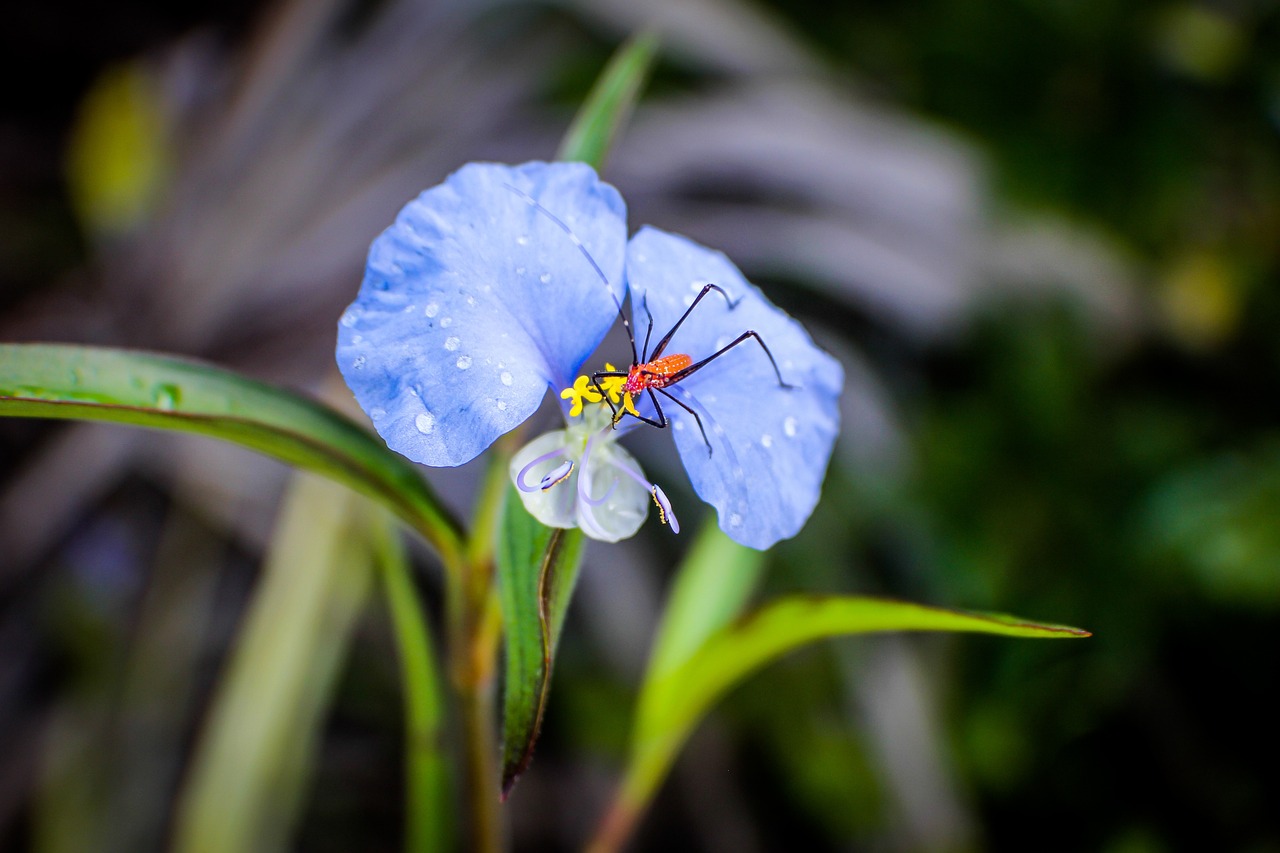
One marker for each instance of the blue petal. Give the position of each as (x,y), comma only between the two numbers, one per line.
(474,302)
(769,444)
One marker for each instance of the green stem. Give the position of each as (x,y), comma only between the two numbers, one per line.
(475,629)
(428,805)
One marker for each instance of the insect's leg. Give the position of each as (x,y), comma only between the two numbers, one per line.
(666,339)
(661,423)
(693,368)
(644,303)
(682,404)
(595,380)
(573,238)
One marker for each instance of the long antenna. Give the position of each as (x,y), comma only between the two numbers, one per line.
(536,205)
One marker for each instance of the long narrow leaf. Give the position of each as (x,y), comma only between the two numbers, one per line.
(610,102)
(537,570)
(709,590)
(251,765)
(429,806)
(674,701)
(142,389)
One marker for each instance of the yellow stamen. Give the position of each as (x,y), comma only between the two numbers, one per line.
(662,513)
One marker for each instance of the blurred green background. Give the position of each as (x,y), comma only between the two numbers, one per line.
(1041,236)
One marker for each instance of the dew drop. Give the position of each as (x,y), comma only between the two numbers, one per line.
(545,278)
(735,520)
(789,427)
(501,404)
(506,378)
(432,309)
(523,239)
(766,440)
(350,317)
(464,361)
(471,300)
(446,322)
(452,342)
(425,423)
(358,364)
(357,340)
(717,429)
(167,396)
(409,309)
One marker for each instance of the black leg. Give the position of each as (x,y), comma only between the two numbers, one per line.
(682,404)
(666,339)
(595,380)
(644,303)
(693,368)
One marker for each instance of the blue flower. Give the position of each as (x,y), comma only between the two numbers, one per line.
(768,434)
(498,284)
(475,302)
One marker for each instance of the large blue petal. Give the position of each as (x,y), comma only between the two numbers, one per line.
(769,444)
(474,302)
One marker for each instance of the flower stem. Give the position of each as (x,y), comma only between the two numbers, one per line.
(474,632)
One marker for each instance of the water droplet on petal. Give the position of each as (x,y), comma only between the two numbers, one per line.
(735,520)
(545,278)
(358,364)
(452,342)
(523,239)
(678,426)
(766,440)
(432,309)
(502,405)
(789,427)
(471,300)
(425,423)
(717,430)
(506,378)
(446,322)
(464,361)
(349,317)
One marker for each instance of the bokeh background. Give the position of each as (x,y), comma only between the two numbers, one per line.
(1041,237)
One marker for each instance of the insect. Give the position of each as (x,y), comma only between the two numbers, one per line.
(655,371)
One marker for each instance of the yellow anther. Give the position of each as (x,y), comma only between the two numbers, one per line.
(585,390)
(582,390)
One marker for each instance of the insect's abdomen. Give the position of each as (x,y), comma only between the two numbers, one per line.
(661,370)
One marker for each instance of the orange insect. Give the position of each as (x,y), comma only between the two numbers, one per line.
(654,371)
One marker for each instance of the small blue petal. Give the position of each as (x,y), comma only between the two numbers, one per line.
(474,302)
(769,444)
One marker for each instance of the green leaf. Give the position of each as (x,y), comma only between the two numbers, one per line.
(249,774)
(142,389)
(429,805)
(537,569)
(674,700)
(711,587)
(610,102)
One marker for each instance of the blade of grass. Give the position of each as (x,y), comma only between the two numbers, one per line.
(142,389)
(250,769)
(429,806)
(610,102)
(674,701)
